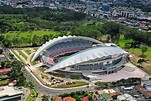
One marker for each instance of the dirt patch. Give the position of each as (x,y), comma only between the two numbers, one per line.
(145,66)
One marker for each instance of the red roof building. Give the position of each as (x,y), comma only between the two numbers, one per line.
(142,90)
(5,70)
(69,99)
(58,99)
(85,98)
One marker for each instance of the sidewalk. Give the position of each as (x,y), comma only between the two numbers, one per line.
(26,93)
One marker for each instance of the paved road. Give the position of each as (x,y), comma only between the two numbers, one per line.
(39,87)
(26,93)
(51,91)
(6,53)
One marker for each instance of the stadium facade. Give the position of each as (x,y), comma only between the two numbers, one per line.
(80,55)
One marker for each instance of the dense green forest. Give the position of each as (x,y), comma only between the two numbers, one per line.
(17,19)
(34,26)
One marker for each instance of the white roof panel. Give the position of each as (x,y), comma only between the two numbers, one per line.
(86,55)
(61,39)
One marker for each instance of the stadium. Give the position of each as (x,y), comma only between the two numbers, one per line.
(78,55)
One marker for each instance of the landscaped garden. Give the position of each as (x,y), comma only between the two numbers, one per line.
(32,96)
(76,84)
(32,62)
(42,69)
(74,77)
(17,55)
(28,51)
(22,54)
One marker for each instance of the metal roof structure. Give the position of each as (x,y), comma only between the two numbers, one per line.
(86,55)
(61,39)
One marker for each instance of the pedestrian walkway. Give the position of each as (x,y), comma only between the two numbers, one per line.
(25,53)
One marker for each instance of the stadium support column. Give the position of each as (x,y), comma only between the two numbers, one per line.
(115,70)
(107,72)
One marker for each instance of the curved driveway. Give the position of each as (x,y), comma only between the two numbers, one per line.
(52,91)
(39,87)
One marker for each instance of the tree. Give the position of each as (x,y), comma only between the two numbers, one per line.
(16,69)
(90,98)
(127,45)
(2,64)
(78,98)
(7,43)
(140,61)
(143,49)
(30,84)
(45,38)
(1,51)
(1,37)
(8,64)
(1,74)
(114,97)
(11,55)
(108,39)
(45,98)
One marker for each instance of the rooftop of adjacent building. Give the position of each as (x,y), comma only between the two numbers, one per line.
(9,91)
(85,98)
(126,97)
(69,99)
(58,99)
(147,82)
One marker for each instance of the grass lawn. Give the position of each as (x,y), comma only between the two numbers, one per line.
(32,62)
(13,34)
(74,77)
(32,95)
(3,76)
(122,42)
(36,48)
(42,69)
(77,84)
(148,53)
(106,96)
(136,55)
(146,66)
(17,55)
(138,52)
(4,82)
(22,54)
(28,51)
(20,39)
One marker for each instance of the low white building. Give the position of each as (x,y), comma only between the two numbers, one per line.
(8,93)
(109,91)
(125,97)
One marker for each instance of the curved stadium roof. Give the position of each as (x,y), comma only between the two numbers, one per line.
(61,39)
(85,55)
